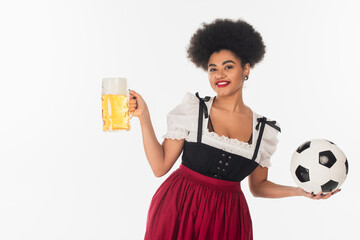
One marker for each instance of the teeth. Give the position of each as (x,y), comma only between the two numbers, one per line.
(222,83)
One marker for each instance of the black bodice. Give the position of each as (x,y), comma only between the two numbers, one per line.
(216,163)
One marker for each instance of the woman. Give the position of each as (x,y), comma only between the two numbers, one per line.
(222,140)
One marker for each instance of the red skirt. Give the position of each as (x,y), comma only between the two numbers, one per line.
(189,205)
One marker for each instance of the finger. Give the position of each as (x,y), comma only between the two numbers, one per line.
(132,97)
(326,196)
(132,104)
(318,196)
(338,190)
(312,195)
(132,110)
(135,94)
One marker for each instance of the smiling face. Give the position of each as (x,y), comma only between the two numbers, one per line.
(226,75)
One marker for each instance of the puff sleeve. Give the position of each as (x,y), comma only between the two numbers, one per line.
(182,119)
(268,144)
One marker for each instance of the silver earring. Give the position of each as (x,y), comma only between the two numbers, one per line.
(246,77)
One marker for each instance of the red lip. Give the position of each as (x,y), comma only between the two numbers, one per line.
(222,82)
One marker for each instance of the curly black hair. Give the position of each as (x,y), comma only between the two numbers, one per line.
(237,36)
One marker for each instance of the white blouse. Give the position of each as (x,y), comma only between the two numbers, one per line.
(182,123)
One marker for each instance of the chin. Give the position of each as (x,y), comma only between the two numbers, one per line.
(222,93)
(228,92)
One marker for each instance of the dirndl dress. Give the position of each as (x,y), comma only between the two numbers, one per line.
(202,199)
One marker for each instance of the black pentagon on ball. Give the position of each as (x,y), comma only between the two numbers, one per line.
(347,166)
(327,158)
(330,142)
(302,174)
(329,186)
(303,146)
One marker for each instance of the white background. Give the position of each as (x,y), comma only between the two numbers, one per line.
(61,177)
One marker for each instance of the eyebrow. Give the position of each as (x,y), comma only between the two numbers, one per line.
(227,61)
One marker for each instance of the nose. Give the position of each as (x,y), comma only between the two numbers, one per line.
(219,74)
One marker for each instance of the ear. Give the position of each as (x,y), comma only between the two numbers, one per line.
(247,69)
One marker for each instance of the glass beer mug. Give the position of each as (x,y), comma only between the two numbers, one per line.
(115,105)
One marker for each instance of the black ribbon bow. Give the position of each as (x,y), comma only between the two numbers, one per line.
(203,106)
(202,109)
(270,123)
(263,122)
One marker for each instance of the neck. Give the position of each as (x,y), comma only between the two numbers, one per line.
(231,103)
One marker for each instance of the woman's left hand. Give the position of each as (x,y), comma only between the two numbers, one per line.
(318,196)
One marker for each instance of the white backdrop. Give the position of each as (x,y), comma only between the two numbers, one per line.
(61,177)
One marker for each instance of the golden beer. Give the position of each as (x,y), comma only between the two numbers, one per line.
(115,112)
(115,105)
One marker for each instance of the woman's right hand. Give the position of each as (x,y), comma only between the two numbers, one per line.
(320,195)
(137,105)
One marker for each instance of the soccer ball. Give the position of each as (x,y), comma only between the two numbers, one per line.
(319,166)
